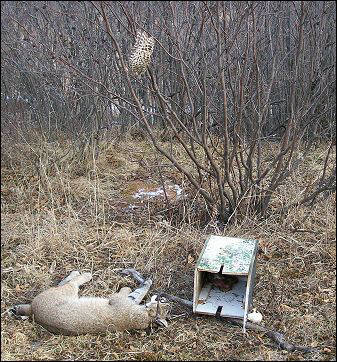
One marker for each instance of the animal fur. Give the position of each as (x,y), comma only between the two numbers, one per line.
(61,311)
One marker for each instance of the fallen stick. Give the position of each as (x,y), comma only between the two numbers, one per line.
(133,273)
(275,336)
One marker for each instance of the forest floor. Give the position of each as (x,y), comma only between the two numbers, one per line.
(60,213)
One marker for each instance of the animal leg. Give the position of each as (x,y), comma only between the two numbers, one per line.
(71,287)
(125,291)
(139,294)
(80,279)
(71,276)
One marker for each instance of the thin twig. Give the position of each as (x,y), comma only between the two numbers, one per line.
(274,335)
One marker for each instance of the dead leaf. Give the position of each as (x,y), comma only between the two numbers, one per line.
(190,259)
(285,307)
(52,267)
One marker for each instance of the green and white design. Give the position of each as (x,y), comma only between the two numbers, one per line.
(234,254)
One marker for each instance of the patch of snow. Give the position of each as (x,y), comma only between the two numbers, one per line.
(141,194)
(132,207)
(179,190)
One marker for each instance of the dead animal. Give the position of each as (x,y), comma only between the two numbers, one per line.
(224,282)
(61,311)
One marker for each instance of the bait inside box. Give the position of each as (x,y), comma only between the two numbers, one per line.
(224,277)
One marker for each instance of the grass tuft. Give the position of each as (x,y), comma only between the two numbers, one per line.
(60,214)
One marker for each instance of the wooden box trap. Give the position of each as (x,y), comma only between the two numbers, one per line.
(224,277)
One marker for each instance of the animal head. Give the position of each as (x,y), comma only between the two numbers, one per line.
(158,310)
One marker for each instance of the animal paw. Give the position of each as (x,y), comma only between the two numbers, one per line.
(74,273)
(71,276)
(86,276)
(148,282)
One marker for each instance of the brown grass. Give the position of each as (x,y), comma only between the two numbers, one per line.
(74,215)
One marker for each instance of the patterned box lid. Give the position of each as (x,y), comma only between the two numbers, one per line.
(234,254)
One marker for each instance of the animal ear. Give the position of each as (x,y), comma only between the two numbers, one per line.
(152,302)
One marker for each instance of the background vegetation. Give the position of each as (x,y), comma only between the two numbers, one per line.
(237,108)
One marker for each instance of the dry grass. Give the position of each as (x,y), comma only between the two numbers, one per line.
(74,216)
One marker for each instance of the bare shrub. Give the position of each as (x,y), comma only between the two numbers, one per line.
(226,81)
(219,72)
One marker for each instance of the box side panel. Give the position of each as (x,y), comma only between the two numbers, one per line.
(250,285)
(198,282)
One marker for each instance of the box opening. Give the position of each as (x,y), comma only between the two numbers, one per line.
(221,294)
